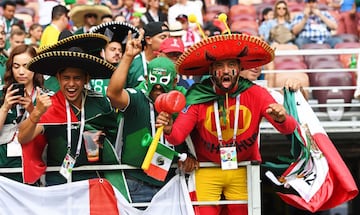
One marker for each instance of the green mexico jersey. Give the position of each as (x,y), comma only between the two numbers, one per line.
(98,116)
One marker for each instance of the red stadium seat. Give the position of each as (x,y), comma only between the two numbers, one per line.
(288,65)
(312,60)
(212,11)
(289,58)
(349,38)
(331,79)
(242,9)
(243,25)
(345,58)
(316,46)
(243,17)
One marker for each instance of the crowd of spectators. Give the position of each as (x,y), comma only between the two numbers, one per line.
(170,28)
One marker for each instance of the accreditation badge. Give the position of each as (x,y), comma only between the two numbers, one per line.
(228,158)
(67,166)
(14,148)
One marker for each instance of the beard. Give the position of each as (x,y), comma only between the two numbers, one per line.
(225,82)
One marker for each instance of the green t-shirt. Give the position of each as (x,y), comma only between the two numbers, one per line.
(3,60)
(136,73)
(99,85)
(136,125)
(99,115)
(5,161)
(51,83)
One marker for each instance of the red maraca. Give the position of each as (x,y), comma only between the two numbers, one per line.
(171,102)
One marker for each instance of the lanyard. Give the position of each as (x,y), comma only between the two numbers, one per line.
(82,125)
(217,120)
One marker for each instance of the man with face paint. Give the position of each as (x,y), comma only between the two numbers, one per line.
(137,105)
(223,115)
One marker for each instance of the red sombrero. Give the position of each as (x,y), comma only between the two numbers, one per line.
(250,50)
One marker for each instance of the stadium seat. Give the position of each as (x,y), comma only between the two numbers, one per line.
(289,58)
(243,17)
(349,38)
(312,60)
(244,25)
(290,65)
(316,46)
(345,58)
(260,7)
(212,11)
(242,9)
(328,79)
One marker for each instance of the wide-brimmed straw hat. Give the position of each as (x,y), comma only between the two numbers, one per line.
(88,42)
(77,13)
(250,50)
(49,63)
(116,31)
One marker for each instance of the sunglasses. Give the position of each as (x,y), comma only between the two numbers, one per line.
(91,15)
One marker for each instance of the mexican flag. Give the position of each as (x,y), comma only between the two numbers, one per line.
(318,175)
(161,162)
(89,197)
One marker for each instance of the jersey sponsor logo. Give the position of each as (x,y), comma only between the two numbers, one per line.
(228,128)
(241,146)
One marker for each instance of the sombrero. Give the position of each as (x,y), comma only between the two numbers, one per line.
(78,12)
(116,31)
(49,63)
(88,42)
(250,50)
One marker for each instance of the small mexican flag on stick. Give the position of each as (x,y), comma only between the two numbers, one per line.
(161,161)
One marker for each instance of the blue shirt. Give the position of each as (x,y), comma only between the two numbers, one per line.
(315,29)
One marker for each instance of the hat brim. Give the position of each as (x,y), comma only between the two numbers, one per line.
(177,33)
(50,63)
(88,42)
(250,50)
(119,31)
(77,13)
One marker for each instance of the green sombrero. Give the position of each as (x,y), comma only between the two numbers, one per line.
(49,63)
(88,42)
(250,50)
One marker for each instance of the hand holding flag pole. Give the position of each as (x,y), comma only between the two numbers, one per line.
(171,102)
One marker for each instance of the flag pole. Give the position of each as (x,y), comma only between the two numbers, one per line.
(152,148)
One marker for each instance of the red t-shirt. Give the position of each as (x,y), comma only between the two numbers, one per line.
(199,120)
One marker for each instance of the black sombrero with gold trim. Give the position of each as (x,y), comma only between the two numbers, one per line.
(250,50)
(88,42)
(116,31)
(49,63)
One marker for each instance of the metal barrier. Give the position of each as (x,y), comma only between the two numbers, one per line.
(253,181)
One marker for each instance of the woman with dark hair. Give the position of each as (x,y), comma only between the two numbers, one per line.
(16,102)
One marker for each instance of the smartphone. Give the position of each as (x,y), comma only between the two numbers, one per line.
(21,88)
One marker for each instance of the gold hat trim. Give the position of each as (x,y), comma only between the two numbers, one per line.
(71,54)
